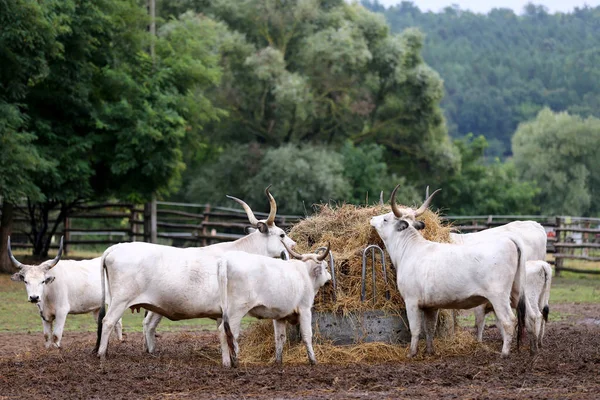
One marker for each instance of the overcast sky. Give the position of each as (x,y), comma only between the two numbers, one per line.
(484,6)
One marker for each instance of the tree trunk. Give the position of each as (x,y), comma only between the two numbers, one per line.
(5,230)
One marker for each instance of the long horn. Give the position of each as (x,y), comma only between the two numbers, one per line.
(12,258)
(427,192)
(273,211)
(292,252)
(322,257)
(57,258)
(248,210)
(425,205)
(395,208)
(381,198)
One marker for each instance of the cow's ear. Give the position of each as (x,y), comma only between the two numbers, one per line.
(17,277)
(316,270)
(262,227)
(401,225)
(419,225)
(49,280)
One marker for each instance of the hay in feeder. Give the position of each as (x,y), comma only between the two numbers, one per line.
(348,230)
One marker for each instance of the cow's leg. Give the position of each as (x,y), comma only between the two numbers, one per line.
(151,321)
(479,312)
(533,322)
(235,321)
(114,314)
(542,331)
(414,323)
(431,316)
(119,329)
(225,356)
(280,335)
(306,333)
(47,325)
(59,326)
(506,322)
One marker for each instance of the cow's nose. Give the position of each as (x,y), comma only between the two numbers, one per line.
(34,299)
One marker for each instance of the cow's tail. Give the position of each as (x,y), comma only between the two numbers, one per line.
(546,292)
(519,285)
(102,313)
(222,274)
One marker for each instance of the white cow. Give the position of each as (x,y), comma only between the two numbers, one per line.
(267,288)
(434,275)
(59,288)
(539,280)
(534,239)
(177,283)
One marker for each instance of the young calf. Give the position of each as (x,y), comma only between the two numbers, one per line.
(264,287)
(537,288)
(61,288)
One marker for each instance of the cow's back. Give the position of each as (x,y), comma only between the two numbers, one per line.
(172,281)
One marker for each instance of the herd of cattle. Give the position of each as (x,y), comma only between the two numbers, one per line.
(497,269)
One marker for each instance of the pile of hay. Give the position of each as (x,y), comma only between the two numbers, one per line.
(257,346)
(348,230)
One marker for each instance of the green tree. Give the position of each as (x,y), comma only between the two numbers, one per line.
(483,188)
(112,120)
(559,152)
(27,42)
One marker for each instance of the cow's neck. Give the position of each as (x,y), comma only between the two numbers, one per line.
(401,244)
(253,243)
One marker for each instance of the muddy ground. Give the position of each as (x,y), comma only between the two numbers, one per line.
(187,366)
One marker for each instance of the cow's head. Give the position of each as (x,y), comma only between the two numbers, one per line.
(316,265)
(35,277)
(400,218)
(275,238)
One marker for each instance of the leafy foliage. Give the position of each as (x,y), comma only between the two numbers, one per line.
(500,69)
(559,152)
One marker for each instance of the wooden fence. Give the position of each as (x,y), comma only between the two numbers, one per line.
(97,226)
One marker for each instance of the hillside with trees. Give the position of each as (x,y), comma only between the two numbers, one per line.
(502,68)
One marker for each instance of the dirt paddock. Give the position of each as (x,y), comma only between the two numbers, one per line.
(187,366)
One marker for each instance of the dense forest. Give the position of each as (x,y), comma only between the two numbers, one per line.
(320,98)
(502,68)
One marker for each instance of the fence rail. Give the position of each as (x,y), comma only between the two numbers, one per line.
(189,224)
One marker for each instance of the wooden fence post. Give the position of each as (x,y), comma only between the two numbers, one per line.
(558,262)
(204,229)
(66,234)
(153,222)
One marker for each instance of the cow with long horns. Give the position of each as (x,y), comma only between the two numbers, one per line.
(61,287)
(434,275)
(177,283)
(266,288)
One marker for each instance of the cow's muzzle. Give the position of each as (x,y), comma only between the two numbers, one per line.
(34,299)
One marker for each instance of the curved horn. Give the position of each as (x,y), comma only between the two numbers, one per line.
(12,258)
(248,210)
(322,257)
(425,205)
(292,252)
(57,258)
(273,211)
(395,208)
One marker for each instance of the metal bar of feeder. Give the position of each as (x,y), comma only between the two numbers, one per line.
(363,291)
(332,267)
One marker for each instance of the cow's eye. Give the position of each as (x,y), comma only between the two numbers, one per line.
(25,282)
(282,235)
